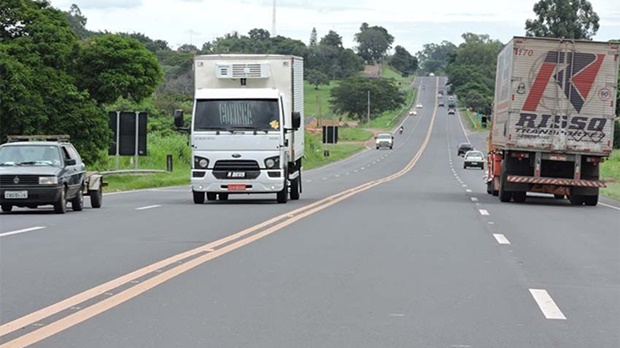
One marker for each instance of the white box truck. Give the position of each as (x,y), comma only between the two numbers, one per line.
(552,123)
(247,128)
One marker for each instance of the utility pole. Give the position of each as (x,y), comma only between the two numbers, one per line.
(368,107)
(273,20)
(318,104)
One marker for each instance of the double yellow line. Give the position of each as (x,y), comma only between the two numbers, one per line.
(197,257)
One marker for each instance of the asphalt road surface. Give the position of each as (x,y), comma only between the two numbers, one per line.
(399,248)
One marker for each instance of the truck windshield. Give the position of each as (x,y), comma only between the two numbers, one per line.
(235,114)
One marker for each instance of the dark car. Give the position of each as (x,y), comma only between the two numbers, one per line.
(463,148)
(35,173)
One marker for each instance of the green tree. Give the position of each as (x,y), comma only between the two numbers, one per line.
(350,63)
(77,22)
(187,48)
(259,34)
(349,97)
(434,58)
(37,86)
(570,19)
(317,78)
(111,66)
(373,42)
(403,61)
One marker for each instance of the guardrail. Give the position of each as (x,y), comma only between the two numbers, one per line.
(133,172)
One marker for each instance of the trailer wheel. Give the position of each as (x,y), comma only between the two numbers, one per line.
(199,197)
(591,200)
(295,189)
(504,196)
(490,187)
(96,198)
(519,196)
(576,199)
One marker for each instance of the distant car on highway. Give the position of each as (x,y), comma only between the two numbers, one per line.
(451,111)
(463,148)
(451,97)
(441,103)
(419,106)
(413,113)
(473,159)
(384,140)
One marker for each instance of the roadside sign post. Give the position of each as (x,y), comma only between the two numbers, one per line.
(137,131)
(118,139)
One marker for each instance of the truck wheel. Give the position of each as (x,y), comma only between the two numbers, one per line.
(77,203)
(591,200)
(519,196)
(60,206)
(490,187)
(295,189)
(282,196)
(576,199)
(96,198)
(211,196)
(223,196)
(199,197)
(7,208)
(504,196)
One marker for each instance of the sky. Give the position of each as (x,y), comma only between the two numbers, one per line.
(412,23)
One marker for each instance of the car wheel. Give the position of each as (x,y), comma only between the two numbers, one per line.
(60,207)
(77,203)
(7,208)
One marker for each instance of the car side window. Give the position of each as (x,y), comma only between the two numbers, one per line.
(71,153)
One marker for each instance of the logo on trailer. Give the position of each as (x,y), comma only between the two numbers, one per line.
(575,79)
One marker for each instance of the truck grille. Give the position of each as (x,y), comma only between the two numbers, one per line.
(232,169)
(236,165)
(9,180)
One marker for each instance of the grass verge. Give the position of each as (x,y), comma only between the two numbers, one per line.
(353,134)
(315,149)
(471,119)
(313,98)
(391,118)
(610,172)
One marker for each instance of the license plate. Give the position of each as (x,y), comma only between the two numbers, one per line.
(557,157)
(15,194)
(236,187)
(236,175)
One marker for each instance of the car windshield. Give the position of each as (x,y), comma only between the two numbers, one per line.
(230,115)
(30,155)
(474,155)
(384,136)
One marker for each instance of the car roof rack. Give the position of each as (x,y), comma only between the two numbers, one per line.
(61,137)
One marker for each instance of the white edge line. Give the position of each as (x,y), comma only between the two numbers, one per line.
(546,304)
(501,239)
(609,206)
(30,229)
(149,207)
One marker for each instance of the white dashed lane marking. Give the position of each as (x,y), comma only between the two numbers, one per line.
(484,212)
(149,207)
(501,239)
(474,199)
(547,306)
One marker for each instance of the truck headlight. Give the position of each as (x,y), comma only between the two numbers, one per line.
(201,162)
(48,180)
(272,162)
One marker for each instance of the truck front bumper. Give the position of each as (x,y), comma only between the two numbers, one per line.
(268,181)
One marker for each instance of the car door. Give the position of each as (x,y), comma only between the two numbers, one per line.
(74,172)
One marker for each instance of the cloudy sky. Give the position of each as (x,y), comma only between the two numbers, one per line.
(412,23)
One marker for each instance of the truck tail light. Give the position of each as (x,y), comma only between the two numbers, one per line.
(595,159)
(520,154)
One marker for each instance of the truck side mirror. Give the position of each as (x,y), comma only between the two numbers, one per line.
(178,118)
(296,120)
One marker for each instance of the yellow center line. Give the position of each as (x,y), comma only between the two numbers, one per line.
(115,300)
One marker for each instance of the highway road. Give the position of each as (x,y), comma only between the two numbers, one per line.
(398,248)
